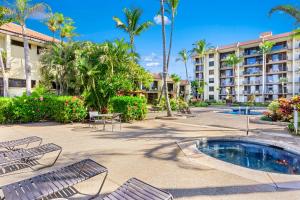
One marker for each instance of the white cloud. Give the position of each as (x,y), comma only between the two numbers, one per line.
(157,20)
(152,64)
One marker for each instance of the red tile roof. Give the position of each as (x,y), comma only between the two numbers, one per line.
(17,29)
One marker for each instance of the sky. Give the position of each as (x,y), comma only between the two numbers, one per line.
(219,22)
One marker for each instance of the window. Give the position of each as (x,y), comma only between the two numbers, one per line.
(19,83)
(211,80)
(211,97)
(39,50)
(211,89)
(18,43)
(211,63)
(211,72)
(211,55)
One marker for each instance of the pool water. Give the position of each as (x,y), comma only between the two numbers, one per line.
(252,155)
(241,113)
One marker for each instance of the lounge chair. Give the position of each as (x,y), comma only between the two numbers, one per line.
(135,189)
(11,145)
(51,183)
(27,156)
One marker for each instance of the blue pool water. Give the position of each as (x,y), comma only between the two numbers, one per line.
(241,113)
(252,155)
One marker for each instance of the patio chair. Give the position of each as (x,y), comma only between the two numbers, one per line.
(12,144)
(49,185)
(116,118)
(135,189)
(27,156)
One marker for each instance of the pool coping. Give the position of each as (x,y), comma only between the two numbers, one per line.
(277,180)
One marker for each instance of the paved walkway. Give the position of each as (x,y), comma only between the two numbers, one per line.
(148,150)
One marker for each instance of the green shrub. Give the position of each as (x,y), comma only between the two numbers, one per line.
(132,108)
(55,108)
(4,105)
(200,104)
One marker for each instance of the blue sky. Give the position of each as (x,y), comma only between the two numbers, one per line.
(217,21)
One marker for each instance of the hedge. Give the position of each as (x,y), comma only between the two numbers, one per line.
(25,109)
(132,108)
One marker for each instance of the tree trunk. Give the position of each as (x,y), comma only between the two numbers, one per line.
(27,60)
(165,67)
(187,96)
(171,40)
(4,76)
(132,43)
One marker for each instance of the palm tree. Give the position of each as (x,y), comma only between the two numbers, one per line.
(264,48)
(132,26)
(176,79)
(283,81)
(233,60)
(52,25)
(22,10)
(200,48)
(165,67)
(173,5)
(4,19)
(287,9)
(183,56)
(295,13)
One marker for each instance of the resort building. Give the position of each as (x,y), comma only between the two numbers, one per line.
(257,77)
(181,89)
(11,42)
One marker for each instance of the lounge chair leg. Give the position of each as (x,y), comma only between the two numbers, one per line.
(101,186)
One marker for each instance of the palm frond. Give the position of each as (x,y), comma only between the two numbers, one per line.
(144,26)
(288,9)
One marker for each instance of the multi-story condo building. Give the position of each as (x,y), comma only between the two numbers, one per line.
(181,89)
(253,78)
(11,41)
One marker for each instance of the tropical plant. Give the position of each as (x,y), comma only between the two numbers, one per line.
(132,24)
(172,6)
(233,60)
(58,62)
(183,56)
(21,10)
(287,9)
(200,47)
(4,19)
(165,66)
(107,69)
(264,48)
(176,79)
(283,81)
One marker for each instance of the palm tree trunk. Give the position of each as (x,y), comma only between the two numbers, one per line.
(27,58)
(132,43)
(165,67)
(187,96)
(171,40)
(4,76)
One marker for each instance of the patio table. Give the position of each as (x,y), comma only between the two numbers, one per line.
(110,117)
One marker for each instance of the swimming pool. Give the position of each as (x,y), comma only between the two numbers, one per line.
(252,155)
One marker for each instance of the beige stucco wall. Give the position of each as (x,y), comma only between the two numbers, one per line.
(16,58)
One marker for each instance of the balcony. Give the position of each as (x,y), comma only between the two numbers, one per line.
(226,75)
(277,60)
(230,84)
(252,63)
(279,48)
(199,68)
(248,82)
(277,71)
(252,73)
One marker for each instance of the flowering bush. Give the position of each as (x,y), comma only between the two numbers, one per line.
(280,110)
(39,108)
(132,108)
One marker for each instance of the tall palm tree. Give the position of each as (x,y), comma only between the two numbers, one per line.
(183,56)
(199,49)
(165,67)
(233,60)
(132,24)
(264,48)
(287,9)
(4,19)
(22,10)
(283,81)
(52,25)
(173,5)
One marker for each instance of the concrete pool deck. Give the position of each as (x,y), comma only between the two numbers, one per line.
(148,150)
